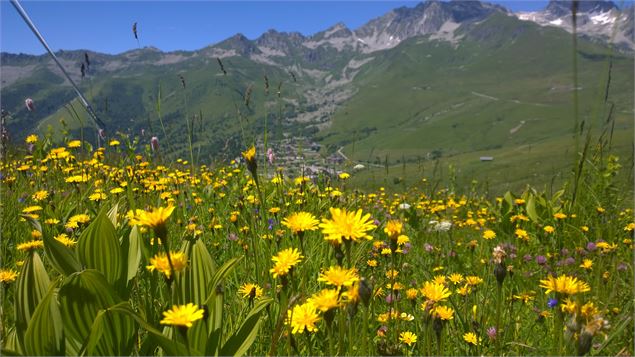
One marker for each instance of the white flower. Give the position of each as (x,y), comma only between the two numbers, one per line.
(442,226)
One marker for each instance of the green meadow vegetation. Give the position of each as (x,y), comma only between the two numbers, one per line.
(191,239)
(112,251)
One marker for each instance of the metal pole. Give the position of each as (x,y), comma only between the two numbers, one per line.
(37,34)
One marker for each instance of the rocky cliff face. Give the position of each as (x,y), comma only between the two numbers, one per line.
(601,20)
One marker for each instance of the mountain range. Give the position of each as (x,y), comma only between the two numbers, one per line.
(413,82)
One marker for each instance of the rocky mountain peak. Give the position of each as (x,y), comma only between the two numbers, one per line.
(561,8)
(240,44)
(430,17)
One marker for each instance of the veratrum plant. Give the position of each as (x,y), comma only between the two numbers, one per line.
(88,308)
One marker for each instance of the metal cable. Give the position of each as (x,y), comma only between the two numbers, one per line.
(100,124)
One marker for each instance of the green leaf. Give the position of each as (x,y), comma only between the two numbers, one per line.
(155,337)
(220,274)
(196,283)
(531,209)
(34,222)
(45,333)
(11,344)
(98,248)
(134,253)
(112,334)
(82,295)
(112,214)
(214,303)
(32,285)
(240,341)
(62,258)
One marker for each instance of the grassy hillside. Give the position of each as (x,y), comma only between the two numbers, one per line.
(132,99)
(505,93)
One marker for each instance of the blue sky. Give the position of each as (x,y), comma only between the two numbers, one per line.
(105,26)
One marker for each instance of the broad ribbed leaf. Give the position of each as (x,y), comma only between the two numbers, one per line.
(155,337)
(112,214)
(531,209)
(240,341)
(134,253)
(112,334)
(62,258)
(45,333)
(82,295)
(219,275)
(99,249)
(33,284)
(196,284)
(197,279)
(11,346)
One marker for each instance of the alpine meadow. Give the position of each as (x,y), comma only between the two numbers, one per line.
(442,178)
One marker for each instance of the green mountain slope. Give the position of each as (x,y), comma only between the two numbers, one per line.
(507,84)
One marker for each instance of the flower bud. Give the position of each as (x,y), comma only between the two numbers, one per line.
(500,272)
(154,143)
(30,105)
(365,290)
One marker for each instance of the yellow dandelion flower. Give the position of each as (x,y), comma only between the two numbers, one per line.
(391,274)
(155,219)
(161,263)
(568,306)
(30,245)
(326,300)
(564,284)
(587,264)
(116,190)
(8,275)
(489,234)
(301,222)
(31,139)
(473,280)
(250,290)
(346,225)
(74,144)
(284,261)
(35,234)
(183,315)
(521,234)
(435,292)
(402,239)
(559,215)
(32,209)
(40,195)
(412,293)
(303,317)
(439,279)
(393,228)
(443,312)
(456,278)
(408,338)
(250,154)
(471,338)
(339,276)
(64,239)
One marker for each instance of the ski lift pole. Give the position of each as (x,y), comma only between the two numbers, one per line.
(27,20)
